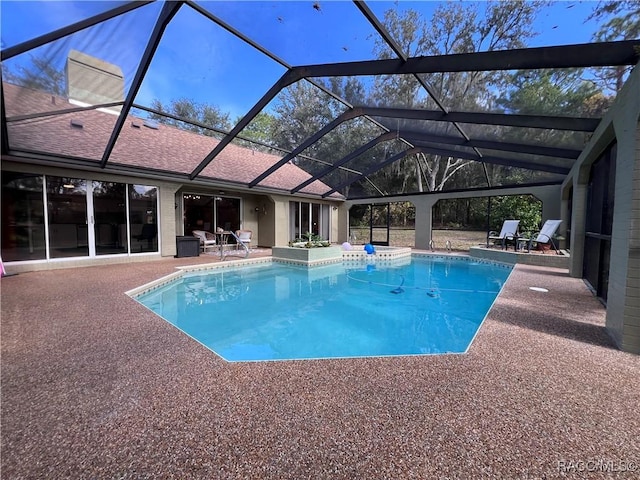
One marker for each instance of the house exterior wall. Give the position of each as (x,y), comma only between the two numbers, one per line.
(267,216)
(164,212)
(631,312)
(620,124)
(251,218)
(279,211)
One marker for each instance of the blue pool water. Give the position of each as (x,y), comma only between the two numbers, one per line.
(275,311)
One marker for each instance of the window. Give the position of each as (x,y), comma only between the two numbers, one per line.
(307,218)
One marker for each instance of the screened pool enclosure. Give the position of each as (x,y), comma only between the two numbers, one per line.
(339,89)
(126,125)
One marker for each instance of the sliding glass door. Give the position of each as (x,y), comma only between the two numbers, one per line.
(23,217)
(109,217)
(67,217)
(61,217)
(143,218)
(209,212)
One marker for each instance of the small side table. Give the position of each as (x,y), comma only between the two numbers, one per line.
(522,243)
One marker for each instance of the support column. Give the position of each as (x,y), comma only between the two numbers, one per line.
(169,218)
(578,222)
(424,220)
(550,205)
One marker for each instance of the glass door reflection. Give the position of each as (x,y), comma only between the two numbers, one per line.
(67,215)
(110,217)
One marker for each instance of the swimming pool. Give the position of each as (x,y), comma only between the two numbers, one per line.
(273,311)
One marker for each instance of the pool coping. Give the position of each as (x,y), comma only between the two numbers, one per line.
(347,260)
(164,280)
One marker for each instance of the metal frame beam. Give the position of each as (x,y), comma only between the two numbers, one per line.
(23,47)
(168,11)
(492,145)
(382,31)
(375,168)
(382,138)
(576,124)
(348,115)
(530,121)
(496,188)
(196,123)
(520,148)
(508,162)
(203,11)
(288,78)
(453,153)
(268,53)
(601,54)
(31,116)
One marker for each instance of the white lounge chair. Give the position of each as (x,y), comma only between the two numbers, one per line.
(509,231)
(207,240)
(546,234)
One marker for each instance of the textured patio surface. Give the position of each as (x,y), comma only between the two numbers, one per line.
(96,386)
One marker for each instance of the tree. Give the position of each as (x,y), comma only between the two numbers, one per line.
(454,28)
(39,74)
(189,110)
(549,92)
(260,128)
(526,208)
(303,109)
(546,92)
(622,23)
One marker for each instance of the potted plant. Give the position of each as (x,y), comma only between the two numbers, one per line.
(309,240)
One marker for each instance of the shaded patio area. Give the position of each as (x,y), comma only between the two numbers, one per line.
(94,385)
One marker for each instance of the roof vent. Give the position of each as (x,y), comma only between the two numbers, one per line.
(135,124)
(151,124)
(76,123)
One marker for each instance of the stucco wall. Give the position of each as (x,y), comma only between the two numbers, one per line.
(267,216)
(620,124)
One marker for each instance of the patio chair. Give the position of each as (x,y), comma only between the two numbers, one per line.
(545,236)
(207,240)
(509,231)
(244,236)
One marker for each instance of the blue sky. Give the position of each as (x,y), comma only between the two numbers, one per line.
(198,60)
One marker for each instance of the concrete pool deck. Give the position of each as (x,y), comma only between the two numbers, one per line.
(94,385)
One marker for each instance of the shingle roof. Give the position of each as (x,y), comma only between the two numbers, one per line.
(165,148)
